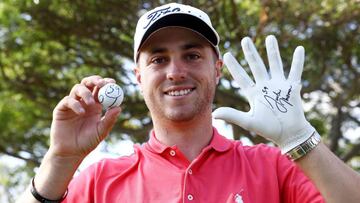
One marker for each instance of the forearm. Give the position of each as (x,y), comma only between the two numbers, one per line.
(336,181)
(53,177)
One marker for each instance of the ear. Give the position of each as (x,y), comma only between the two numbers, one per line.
(218,65)
(137,74)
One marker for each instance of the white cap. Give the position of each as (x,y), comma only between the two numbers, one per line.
(174,14)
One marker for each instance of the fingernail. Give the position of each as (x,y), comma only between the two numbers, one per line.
(91,100)
(81,110)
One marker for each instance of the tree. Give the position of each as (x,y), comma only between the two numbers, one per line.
(48,46)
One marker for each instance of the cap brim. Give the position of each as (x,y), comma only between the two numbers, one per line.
(183,20)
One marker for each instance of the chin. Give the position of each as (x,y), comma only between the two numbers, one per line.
(181,116)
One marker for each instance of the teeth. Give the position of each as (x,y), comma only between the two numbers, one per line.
(179,93)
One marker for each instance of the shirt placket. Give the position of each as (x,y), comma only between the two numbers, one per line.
(178,159)
(189,193)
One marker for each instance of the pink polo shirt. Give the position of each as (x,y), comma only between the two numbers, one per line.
(225,171)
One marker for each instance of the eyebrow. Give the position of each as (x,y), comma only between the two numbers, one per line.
(156,50)
(191,46)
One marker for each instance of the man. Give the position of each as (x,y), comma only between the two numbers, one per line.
(186,160)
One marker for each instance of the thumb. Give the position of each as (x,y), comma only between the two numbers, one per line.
(234,116)
(108,121)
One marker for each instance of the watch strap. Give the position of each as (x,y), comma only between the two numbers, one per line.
(305,147)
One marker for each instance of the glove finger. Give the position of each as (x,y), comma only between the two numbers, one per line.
(297,65)
(234,116)
(254,60)
(275,63)
(237,71)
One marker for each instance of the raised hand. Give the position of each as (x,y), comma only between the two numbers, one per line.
(78,126)
(276,111)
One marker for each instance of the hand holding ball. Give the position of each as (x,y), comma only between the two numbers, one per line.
(110,95)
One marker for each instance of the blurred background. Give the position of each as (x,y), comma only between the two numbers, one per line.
(48,46)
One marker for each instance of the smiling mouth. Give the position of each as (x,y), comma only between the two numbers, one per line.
(177,93)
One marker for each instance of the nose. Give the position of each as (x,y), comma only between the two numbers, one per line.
(177,71)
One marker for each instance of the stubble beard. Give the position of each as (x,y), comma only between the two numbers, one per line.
(198,109)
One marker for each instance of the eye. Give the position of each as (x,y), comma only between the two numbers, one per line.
(158,60)
(192,56)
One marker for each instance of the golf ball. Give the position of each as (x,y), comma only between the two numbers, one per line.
(110,95)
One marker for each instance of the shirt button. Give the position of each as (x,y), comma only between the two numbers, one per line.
(190,171)
(190,197)
(172,152)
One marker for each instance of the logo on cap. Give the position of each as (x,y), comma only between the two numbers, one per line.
(156,14)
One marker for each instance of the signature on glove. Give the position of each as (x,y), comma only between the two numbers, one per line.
(281,103)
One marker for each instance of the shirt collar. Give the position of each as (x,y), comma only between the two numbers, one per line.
(155,145)
(218,143)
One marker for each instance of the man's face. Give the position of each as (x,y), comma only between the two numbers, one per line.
(178,72)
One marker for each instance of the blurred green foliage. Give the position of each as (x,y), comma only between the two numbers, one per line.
(48,46)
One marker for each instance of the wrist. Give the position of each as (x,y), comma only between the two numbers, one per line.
(41,198)
(304,148)
(69,161)
(290,140)
(47,180)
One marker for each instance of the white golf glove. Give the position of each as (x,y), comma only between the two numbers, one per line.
(276,111)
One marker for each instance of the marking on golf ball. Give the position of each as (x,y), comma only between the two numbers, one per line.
(110,95)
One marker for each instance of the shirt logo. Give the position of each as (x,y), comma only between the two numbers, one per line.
(156,14)
(238,198)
